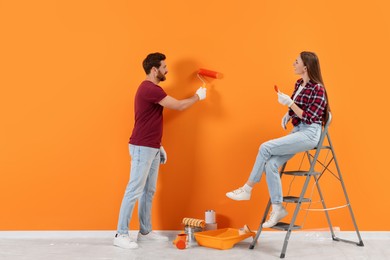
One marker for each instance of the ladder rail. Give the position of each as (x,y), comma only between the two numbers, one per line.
(267,208)
(254,241)
(346,196)
(296,211)
(324,206)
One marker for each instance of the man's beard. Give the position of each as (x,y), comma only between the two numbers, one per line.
(161,77)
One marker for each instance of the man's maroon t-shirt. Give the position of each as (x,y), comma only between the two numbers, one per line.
(148,126)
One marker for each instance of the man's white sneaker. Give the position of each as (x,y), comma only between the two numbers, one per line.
(239,194)
(124,241)
(275,217)
(151,236)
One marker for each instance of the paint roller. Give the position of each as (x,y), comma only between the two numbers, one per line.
(208,73)
(193,222)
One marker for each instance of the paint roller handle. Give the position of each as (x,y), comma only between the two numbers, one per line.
(201,92)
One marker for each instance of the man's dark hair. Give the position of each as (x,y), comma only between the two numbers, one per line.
(152,60)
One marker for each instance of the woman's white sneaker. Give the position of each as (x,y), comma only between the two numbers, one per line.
(275,216)
(239,194)
(124,241)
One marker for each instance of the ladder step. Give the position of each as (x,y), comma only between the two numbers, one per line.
(300,173)
(323,147)
(293,199)
(284,226)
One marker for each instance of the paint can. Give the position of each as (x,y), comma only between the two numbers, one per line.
(190,231)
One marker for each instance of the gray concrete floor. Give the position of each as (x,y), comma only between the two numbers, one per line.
(45,245)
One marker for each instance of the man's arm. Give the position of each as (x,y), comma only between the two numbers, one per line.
(173,103)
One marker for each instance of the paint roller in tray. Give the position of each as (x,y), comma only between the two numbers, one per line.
(208,73)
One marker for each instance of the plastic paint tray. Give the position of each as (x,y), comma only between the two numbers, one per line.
(224,238)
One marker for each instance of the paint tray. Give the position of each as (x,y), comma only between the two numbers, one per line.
(224,238)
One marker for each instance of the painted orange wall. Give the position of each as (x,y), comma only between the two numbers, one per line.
(69,71)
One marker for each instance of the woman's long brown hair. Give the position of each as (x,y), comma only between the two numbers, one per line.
(312,63)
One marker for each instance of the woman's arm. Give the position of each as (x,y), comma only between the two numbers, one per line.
(297,110)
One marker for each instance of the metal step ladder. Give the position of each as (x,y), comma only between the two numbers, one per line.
(324,144)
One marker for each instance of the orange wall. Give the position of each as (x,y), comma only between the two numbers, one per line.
(69,71)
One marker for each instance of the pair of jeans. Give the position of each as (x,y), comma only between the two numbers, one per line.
(145,162)
(274,153)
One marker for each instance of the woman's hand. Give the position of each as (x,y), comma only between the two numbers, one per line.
(284,99)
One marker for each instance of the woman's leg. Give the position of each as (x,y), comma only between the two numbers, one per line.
(302,138)
(281,150)
(273,177)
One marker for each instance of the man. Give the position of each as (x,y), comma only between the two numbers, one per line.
(146,151)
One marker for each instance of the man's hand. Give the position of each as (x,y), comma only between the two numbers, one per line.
(163,155)
(201,92)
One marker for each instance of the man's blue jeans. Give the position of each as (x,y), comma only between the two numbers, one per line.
(145,162)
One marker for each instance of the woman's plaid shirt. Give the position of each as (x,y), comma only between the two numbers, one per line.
(312,101)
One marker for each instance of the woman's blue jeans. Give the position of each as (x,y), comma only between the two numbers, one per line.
(276,152)
(145,162)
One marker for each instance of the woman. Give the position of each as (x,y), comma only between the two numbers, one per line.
(308,110)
